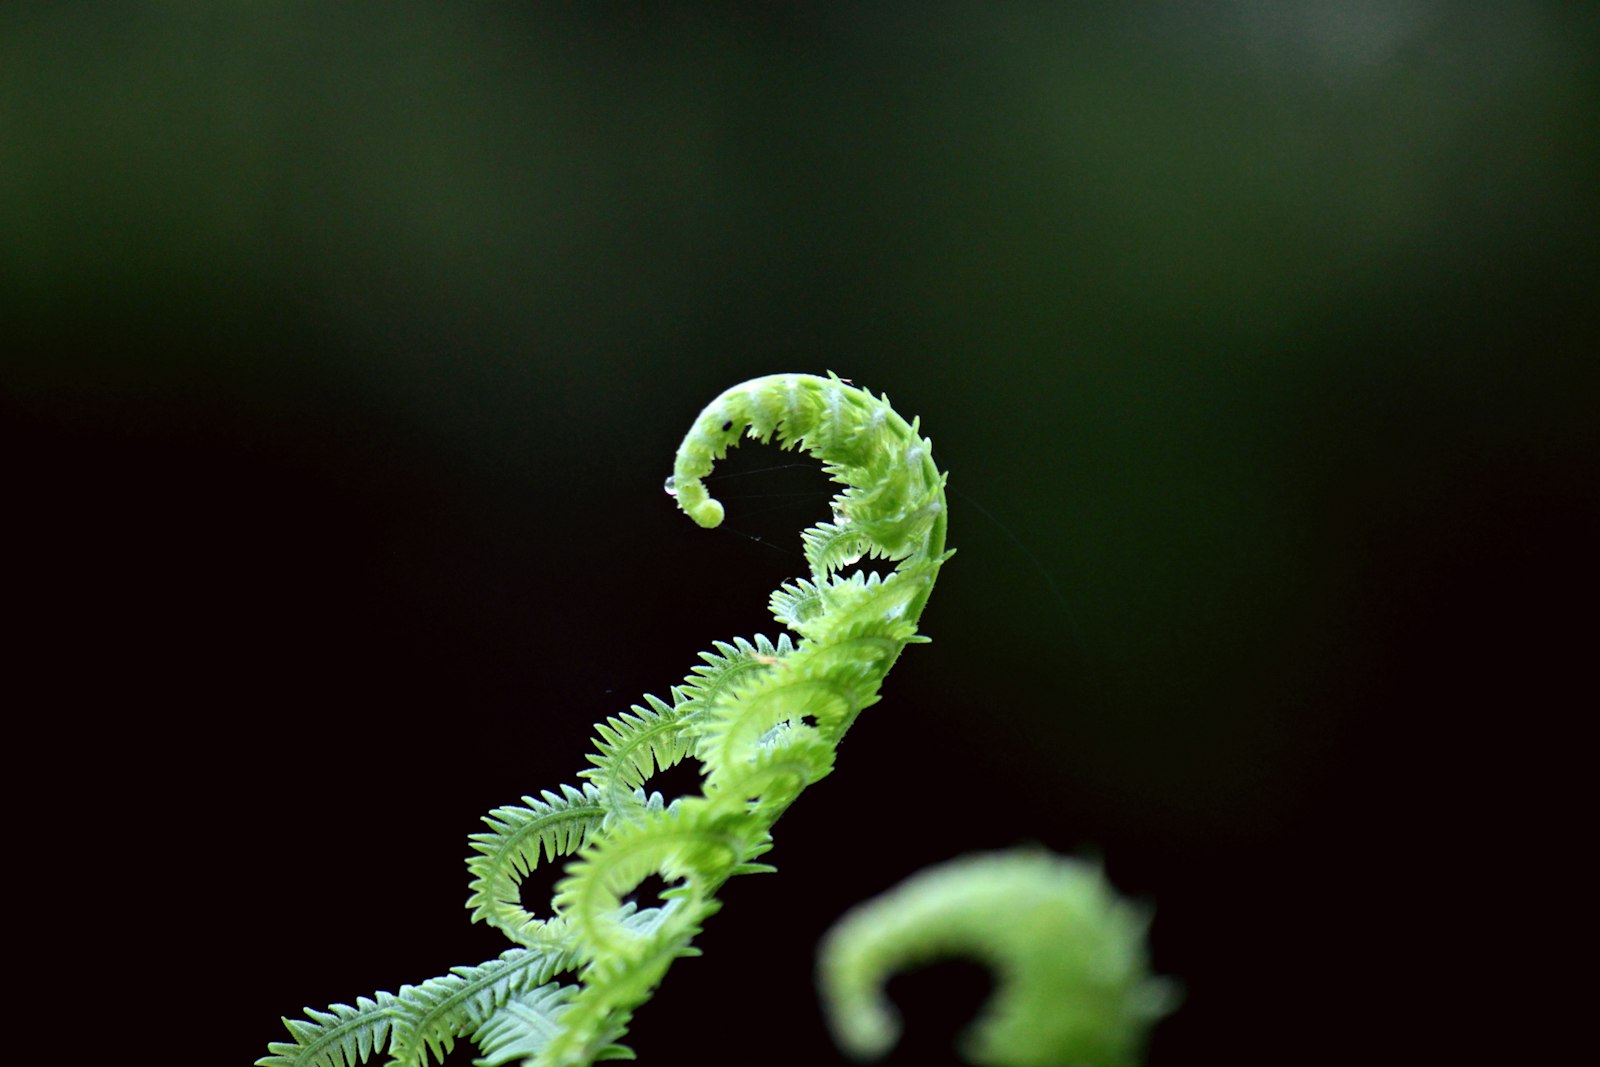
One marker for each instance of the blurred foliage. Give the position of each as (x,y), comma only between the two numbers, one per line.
(343,348)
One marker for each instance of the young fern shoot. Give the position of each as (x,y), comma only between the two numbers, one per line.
(763,718)
(1073,985)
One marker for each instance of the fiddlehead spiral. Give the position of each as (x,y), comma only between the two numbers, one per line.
(762,717)
(1073,987)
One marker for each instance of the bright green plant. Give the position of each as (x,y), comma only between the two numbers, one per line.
(1068,953)
(762,718)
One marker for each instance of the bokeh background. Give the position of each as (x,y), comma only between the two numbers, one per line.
(344,348)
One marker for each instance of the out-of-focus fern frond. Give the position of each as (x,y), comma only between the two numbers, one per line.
(1074,987)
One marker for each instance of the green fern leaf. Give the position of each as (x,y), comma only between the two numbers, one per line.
(795,604)
(635,746)
(727,667)
(442,1009)
(830,546)
(819,689)
(522,1026)
(763,716)
(1069,955)
(597,1016)
(782,768)
(341,1036)
(692,841)
(518,835)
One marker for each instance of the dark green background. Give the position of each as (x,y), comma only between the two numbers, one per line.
(345,348)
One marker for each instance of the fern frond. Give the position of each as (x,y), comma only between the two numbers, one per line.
(554,826)
(691,842)
(830,546)
(857,600)
(819,689)
(795,604)
(774,777)
(523,1026)
(1068,952)
(341,1036)
(773,713)
(526,1025)
(763,716)
(725,668)
(613,987)
(440,1010)
(635,746)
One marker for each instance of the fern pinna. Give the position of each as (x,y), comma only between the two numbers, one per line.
(762,717)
